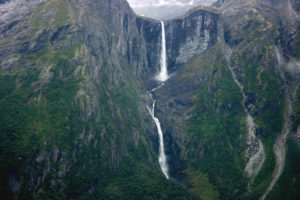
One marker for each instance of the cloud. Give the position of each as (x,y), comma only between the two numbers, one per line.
(165,9)
(159,3)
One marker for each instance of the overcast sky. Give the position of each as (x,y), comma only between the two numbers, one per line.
(157,3)
(165,9)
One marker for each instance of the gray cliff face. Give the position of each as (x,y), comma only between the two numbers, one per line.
(116,53)
(151,32)
(79,72)
(253,29)
(190,35)
(110,54)
(13,22)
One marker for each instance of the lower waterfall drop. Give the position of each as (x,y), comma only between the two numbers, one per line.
(162,158)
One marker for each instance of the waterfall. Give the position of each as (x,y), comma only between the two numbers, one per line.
(162,158)
(163,74)
(161,77)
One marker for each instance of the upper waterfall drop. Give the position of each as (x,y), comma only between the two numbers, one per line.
(163,74)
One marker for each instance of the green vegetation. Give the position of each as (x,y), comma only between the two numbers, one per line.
(39,114)
(135,180)
(288,185)
(296,109)
(263,89)
(50,14)
(265,175)
(298,51)
(33,115)
(79,128)
(200,186)
(26,126)
(218,125)
(8,84)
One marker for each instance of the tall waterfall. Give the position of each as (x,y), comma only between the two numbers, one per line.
(161,77)
(163,74)
(162,158)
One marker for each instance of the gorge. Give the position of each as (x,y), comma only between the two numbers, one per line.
(97,102)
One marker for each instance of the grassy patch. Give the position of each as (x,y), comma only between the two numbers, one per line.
(200,186)
(297,56)
(51,14)
(297,112)
(27,124)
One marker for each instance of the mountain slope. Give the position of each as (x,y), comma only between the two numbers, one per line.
(73,116)
(201,104)
(73,124)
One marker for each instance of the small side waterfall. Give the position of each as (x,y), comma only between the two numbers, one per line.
(162,158)
(163,74)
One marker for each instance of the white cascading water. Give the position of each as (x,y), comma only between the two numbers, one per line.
(162,158)
(161,77)
(163,74)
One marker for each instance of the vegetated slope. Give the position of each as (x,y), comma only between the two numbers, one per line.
(73,124)
(201,106)
(290,176)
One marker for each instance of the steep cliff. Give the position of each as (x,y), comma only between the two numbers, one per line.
(201,105)
(73,123)
(190,35)
(73,116)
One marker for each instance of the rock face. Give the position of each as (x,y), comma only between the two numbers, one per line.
(194,104)
(190,35)
(151,32)
(71,69)
(73,120)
